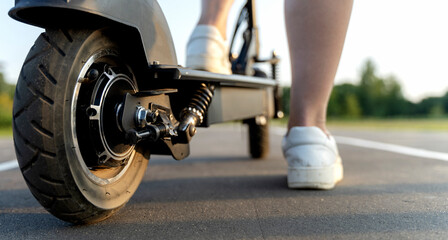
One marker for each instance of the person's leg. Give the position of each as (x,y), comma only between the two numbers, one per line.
(316,32)
(207,48)
(215,13)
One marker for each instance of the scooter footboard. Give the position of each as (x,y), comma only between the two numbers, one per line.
(236,103)
(236,97)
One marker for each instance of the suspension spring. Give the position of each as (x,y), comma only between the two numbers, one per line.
(193,115)
(199,103)
(274,71)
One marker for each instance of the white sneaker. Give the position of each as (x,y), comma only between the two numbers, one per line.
(207,50)
(313,159)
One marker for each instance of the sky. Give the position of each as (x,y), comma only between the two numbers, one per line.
(405,38)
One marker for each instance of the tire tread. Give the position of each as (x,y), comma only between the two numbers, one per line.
(41,130)
(46,74)
(53,44)
(35,158)
(37,129)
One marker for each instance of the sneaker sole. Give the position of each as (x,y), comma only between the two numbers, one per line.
(315,178)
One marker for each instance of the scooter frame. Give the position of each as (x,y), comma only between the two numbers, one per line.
(110,73)
(236,97)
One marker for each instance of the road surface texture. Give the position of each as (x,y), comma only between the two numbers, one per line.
(219,193)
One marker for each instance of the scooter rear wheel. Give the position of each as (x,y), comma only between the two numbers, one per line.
(258,137)
(71,153)
(258,130)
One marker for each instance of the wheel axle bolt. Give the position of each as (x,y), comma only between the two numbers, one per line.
(93,74)
(140,116)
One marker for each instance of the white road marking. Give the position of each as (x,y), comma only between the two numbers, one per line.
(410,151)
(415,152)
(5,166)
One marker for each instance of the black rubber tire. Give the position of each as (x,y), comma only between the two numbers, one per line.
(42,132)
(258,133)
(258,139)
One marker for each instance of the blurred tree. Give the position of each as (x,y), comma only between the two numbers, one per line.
(381,97)
(393,100)
(425,106)
(285,100)
(6,101)
(344,101)
(368,89)
(444,103)
(5,110)
(436,111)
(6,87)
(353,110)
(376,96)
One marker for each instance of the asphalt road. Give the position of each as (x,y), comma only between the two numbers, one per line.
(219,193)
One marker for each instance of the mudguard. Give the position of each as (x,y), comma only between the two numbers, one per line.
(145,16)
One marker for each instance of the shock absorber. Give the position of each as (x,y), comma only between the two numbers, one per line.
(278,94)
(193,115)
(274,65)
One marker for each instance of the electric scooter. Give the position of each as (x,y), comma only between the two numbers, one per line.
(101,90)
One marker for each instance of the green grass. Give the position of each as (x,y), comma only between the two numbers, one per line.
(414,124)
(418,124)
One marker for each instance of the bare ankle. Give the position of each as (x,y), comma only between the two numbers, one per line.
(320,124)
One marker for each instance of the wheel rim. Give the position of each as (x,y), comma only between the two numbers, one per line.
(97,138)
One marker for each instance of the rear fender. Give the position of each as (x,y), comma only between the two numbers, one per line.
(144,16)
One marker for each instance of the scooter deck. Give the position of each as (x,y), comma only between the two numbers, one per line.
(237,97)
(225,79)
